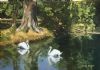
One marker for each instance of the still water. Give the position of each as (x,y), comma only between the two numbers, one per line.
(36,59)
(77,55)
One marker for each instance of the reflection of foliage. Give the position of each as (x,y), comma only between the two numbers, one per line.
(4,62)
(7,55)
(62,65)
(80,61)
(83,63)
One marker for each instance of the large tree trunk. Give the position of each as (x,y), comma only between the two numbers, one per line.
(29,20)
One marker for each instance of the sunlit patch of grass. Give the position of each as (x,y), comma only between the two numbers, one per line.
(22,36)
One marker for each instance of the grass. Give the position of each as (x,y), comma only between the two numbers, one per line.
(7,37)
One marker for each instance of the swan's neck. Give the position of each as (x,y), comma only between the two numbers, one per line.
(27,44)
(49,51)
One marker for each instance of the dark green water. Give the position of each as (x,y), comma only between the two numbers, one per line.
(77,55)
(35,60)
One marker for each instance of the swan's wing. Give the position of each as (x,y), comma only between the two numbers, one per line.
(22,52)
(54,51)
(24,45)
(21,44)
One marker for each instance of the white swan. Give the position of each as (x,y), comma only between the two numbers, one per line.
(54,55)
(23,47)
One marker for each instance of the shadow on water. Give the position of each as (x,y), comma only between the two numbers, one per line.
(97,53)
(5,25)
(79,54)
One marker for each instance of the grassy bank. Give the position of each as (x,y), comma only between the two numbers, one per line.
(7,37)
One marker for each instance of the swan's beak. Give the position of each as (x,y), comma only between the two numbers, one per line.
(61,53)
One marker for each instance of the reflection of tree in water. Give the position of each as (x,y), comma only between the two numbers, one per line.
(26,62)
(29,61)
(11,59)
(6,61)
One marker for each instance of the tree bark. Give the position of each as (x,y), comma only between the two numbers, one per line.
(29,20)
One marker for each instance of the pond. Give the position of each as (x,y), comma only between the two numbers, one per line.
(77,55)
(10,59)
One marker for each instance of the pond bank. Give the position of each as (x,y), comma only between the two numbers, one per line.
(7,37)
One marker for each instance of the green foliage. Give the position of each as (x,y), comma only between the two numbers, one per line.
(53,13)
(80,30)
(83,11)
(82,14)
(7,10)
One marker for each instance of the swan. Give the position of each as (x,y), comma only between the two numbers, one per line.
(23,47)
(54,55)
